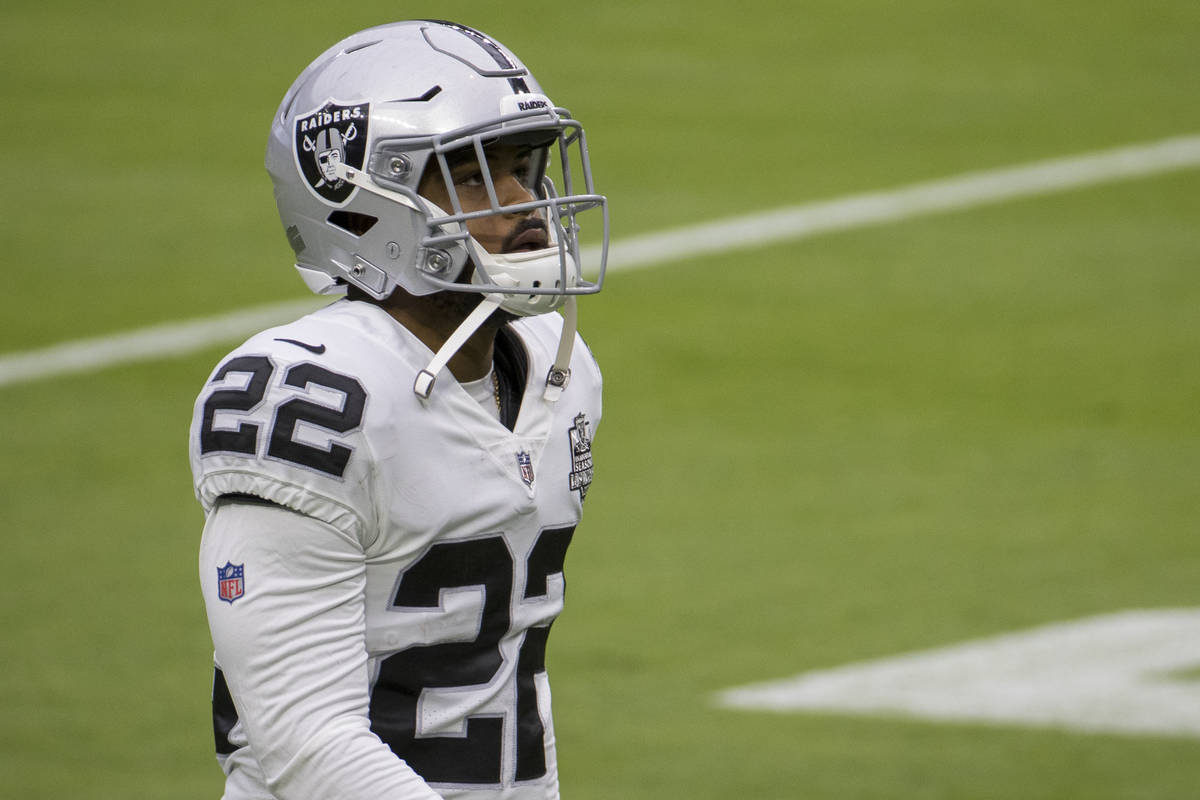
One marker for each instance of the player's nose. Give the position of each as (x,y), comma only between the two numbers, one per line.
(510,191)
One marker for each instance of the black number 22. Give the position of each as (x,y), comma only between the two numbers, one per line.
(282,443)
(475,756)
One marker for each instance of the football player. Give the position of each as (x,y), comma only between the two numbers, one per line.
(391,483)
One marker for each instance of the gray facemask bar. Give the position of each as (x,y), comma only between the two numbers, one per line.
(567,133)
(559,374)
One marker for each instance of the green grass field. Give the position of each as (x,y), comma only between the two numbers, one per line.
(843,448)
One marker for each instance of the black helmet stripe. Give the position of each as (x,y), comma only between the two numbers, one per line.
(491,48)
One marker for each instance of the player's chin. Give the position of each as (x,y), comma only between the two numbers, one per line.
(456,303)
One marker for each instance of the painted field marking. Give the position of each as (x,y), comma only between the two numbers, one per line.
(969,190)
(965,191)
(144,344)
(1117,673)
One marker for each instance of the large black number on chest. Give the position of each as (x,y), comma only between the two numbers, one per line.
(474,758)
(472,755)
(545,559)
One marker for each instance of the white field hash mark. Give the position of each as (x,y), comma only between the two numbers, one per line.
(1118,673)
(965,191)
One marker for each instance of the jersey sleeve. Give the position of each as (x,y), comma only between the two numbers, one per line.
(286,430)
(291,648)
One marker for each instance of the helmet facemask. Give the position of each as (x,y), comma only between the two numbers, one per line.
(522,282)
(526,281)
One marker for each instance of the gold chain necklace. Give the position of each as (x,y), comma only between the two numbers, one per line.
(496,389)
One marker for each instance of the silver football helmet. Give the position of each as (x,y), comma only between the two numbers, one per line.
(362,125)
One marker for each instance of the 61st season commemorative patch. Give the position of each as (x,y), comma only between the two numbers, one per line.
(231,582)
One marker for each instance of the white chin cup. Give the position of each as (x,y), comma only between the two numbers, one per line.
(533,269)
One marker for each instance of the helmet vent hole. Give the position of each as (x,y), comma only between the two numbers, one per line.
(349,221)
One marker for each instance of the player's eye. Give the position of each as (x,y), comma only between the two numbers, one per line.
(469,177)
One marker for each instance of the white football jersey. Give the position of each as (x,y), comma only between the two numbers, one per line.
(463,527)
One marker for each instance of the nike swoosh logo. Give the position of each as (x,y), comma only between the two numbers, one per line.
(312,348)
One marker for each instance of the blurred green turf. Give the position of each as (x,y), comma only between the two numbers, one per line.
(145,122)
(901,438)
(838,449)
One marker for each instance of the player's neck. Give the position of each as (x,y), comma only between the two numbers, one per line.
(473,360)
(433,320)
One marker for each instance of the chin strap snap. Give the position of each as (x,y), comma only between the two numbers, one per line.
(560,372)
(423,385)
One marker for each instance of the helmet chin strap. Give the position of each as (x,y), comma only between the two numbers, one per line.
(560,371)
(426,377)
(556,379)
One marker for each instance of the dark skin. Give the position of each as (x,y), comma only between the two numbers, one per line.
(432,318)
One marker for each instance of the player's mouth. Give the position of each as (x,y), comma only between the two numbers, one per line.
(530,234)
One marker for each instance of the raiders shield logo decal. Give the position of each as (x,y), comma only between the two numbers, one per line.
(328,135)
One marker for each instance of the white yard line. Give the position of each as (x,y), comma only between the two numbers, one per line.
(1124,672)
(752,230)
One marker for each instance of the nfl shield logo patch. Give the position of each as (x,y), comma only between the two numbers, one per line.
(525,463)
(231,582)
